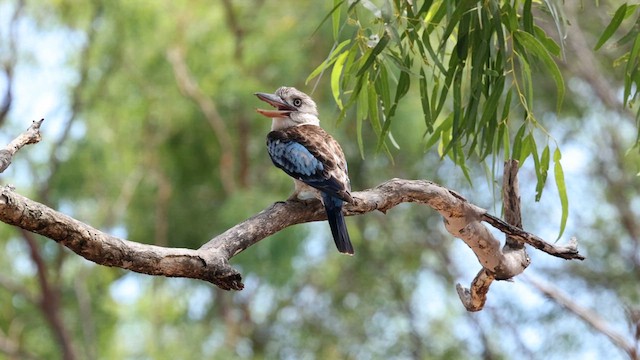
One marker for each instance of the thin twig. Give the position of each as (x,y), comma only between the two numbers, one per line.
(31,136)
(568,252)
(475,297)
(589,316)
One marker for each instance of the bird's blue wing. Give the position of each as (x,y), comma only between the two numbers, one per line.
(294,159)
(302,153)
(298,162)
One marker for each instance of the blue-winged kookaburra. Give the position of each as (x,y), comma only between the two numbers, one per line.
(301,148)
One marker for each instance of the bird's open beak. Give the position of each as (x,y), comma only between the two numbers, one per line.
(282,108)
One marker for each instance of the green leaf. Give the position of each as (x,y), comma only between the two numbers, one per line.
(336,74)
(542,173)
(363,104)
(349,65)
(426,106)
(455,19)
(526,148)
(426,43)
(374,113)
(375,120)
(487,121)
(548,42)
(330,60)
(507,106)
(613,26)
(534,46)
(457,156)
(382,87)
(517,142)
(457,109)
(562,190)
(527,17)
(445,135)
(404,82)
(335,18)
(503,133)
(462,38)
(510,20)
(382,43)
(336,8)
(443,127)
(629,36)
(630,68)
(361,114)
(526,98)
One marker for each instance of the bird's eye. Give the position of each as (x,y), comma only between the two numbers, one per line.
(297,102)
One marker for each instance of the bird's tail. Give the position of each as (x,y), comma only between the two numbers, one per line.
(333,207)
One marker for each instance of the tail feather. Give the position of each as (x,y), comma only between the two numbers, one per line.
(333,207)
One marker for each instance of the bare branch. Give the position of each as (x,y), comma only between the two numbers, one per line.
(31,136)
(211,261)
(475,297)
(107,250)
(589,316)
(568,252)
(511,200)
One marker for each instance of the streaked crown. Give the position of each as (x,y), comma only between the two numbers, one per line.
(297,99)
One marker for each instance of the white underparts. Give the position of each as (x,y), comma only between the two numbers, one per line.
(294,119)
(305,192)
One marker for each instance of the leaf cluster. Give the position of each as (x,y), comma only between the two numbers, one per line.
(473,64)
(630,59)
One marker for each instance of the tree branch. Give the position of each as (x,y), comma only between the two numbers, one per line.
(567,252)
(31,136)
(211,261)
(475,297)
(589,316)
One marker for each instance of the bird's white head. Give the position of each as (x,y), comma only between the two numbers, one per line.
(292,108)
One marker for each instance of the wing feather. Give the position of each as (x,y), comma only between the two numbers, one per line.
(311,155)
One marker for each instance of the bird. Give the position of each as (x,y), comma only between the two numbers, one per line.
(313,158)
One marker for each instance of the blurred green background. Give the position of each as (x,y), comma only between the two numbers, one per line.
(151,134)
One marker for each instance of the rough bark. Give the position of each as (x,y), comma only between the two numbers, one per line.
(211,261)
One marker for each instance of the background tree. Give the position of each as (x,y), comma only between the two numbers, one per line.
(150,130)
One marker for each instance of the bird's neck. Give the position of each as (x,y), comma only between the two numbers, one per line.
(283,123)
